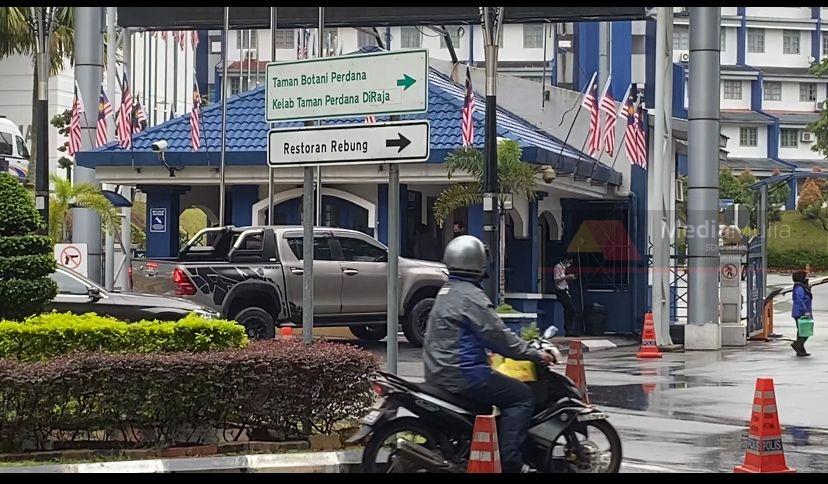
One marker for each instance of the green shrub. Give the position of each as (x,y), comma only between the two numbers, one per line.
(53,334)
(796,259)
(161,398)
(26,259)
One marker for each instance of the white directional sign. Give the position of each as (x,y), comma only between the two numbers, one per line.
(345,86)
(394,142)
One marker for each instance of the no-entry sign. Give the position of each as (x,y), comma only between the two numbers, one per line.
(345,86)
(72,256)
(394,142)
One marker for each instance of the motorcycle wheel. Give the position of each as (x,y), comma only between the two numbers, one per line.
(383,443)
(592,456)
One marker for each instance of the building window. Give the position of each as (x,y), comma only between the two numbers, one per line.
(825,44)
(681,37)
(756,40)
(284,39)
(533,36)
(365,39)
(454,33)
(723,39)
(790,42)
(246,39)
(788,137)
(807,91)
(410,38)
(772,90)
(733,89)
(235,85)
(748,137)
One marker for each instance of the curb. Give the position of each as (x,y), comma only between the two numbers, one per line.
(307,462)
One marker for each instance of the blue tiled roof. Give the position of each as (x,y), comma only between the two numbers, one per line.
(247,135)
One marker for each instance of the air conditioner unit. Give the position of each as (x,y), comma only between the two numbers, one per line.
(685,57)
(806,137)
(821,105)
(215,47)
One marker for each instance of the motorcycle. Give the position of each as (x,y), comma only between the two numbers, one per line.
(422,428)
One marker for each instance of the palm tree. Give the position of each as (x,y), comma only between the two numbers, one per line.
(18,38)
(515,178)
(84,195)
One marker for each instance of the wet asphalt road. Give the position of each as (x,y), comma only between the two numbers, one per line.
(688,412)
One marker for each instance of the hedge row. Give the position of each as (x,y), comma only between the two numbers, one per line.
(26,266)
(167,398)
(797,259)
(54,334)
(21,297)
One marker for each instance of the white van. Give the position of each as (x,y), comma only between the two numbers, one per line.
(14,155)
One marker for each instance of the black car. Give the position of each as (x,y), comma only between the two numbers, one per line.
(79,295)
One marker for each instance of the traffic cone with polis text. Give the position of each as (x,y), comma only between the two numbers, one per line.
(649,346)
(764,453)
(484,457)
(575,367)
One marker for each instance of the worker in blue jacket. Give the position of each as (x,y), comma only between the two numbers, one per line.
(802,298)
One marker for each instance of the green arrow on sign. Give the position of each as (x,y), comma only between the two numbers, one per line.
(407,81)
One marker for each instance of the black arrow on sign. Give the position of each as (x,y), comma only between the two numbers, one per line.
(402,142)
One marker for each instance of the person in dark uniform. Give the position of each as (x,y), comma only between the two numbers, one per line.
(459,229)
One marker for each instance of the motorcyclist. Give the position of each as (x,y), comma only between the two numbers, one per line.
(462,325)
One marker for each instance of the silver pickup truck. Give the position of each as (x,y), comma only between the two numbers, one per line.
(254,275)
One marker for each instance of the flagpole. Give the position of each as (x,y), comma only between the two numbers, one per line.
(621,143)
(273,30)
(572,125)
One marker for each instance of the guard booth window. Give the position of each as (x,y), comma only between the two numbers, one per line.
(600,241)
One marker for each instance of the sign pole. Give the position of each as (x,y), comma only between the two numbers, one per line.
(393,281)
(307,225)
(269,169)
(225,79)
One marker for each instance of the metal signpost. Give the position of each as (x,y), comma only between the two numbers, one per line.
(383,83)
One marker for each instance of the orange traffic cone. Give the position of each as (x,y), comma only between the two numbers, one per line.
(648,387)
(649,347)
(575,367)
(764,444)
(286,332)
(484,457)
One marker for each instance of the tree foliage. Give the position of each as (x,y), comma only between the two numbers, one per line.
(83,195)
(26,259)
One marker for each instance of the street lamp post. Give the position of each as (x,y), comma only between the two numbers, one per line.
(41,21)
(492,18)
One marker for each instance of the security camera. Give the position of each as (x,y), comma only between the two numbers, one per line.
(160,145)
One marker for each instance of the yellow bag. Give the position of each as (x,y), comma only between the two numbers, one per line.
(519,370)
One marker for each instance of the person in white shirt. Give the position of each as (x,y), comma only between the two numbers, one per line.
(562,292)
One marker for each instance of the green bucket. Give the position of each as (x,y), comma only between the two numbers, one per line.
(805,325)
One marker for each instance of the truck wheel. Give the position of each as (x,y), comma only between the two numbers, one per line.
(415,324)
(370,332)
(257,322)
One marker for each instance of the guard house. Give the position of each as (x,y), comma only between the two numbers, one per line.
(588,210)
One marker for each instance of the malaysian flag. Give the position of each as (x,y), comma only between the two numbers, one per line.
(630,146)
(182,40)
(467,114)
(74,124)
(302,52)
(139,118)
(371,119)
(590,102)
(195,119)
(104,110)
(194,38)
(640,135)
(608,107)
(124,125)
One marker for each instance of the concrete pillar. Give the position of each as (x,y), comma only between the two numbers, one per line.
(703,331)
(535,253)
(163,209)
(86,224)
